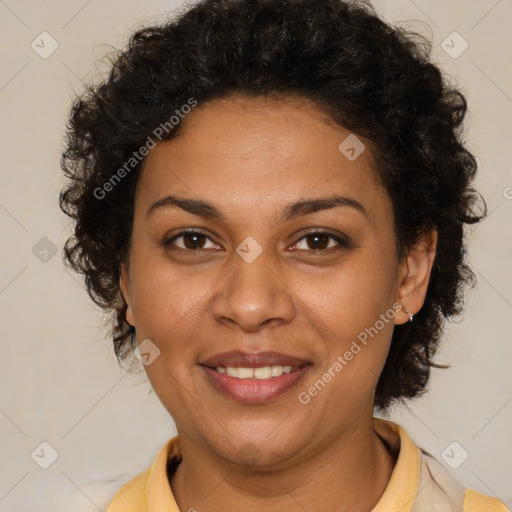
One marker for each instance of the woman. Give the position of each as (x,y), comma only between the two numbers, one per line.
(271,196)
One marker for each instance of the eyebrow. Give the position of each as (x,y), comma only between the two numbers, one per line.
(291,211)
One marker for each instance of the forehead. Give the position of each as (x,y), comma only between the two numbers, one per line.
(261,152)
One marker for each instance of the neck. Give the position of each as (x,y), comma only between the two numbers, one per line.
(347,474)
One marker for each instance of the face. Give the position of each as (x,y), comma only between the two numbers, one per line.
(271,284)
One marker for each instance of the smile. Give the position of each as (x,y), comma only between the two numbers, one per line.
(261,373)
(254,385)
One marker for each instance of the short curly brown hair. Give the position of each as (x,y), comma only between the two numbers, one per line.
(372,78)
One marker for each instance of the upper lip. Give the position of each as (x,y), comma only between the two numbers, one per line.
(238,358)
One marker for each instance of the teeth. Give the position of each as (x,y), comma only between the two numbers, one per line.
(231,372)
(277,371)
(244,373)
(261,373)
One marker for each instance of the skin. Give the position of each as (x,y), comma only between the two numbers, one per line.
(251,157)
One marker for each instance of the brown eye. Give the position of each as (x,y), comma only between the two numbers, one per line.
(194,240)
(317,242)
(320,241)
(191,241)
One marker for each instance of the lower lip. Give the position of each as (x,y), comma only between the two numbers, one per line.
(254,391)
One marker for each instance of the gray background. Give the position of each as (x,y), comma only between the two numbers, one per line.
(60,381)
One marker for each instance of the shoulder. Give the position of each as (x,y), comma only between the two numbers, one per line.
(439,491)
(476,502)
(150,490)
(420,483)
(131,496)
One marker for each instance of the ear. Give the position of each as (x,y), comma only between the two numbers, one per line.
(124,285)
(414,275)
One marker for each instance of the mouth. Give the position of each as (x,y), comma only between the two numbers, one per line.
(239,359)
(259,373)
(253,378)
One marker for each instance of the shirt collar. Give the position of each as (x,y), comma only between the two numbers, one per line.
(159,497)
(399,495)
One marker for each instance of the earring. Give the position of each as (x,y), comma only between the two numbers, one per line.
(408,312)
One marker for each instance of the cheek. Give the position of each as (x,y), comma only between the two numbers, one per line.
(355,293)
(354,346)
(353,309)
(165,301)
(167,311)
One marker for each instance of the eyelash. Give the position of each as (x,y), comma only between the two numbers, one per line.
(342,242)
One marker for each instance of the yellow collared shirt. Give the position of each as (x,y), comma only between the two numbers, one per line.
(418,483)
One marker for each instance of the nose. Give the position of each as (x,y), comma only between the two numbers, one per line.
(253,295)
